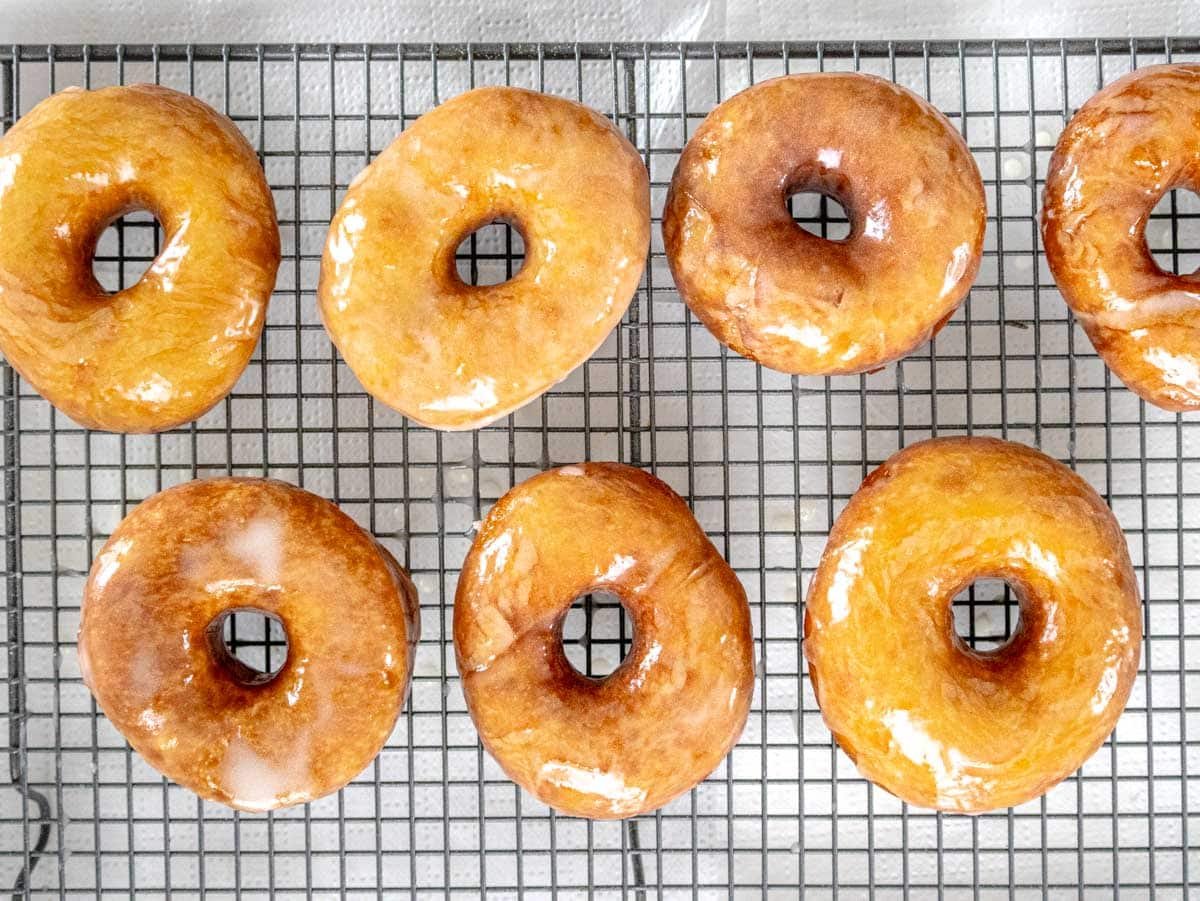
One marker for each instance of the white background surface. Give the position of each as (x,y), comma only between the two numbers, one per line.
(146,21)
(793,837)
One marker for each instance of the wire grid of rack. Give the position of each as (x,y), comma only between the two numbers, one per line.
(765,460)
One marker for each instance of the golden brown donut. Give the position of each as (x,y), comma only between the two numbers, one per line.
(165,350)
(456,356)
(663,720)
(922,714)
(1121,153)
(797,302)
(150,645)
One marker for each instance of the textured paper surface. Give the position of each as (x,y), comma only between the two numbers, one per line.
(147,21)
(785,461)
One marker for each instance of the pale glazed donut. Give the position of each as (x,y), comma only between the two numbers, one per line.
(165,350)
(1121,153)
(150,644)
(923,715)
(799,303)
(663,720)
(455,356)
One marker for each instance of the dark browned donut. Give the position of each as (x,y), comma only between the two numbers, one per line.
(664,719)
(799,303)
(150,649)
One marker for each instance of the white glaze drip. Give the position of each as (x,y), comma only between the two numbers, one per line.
(255,784)
(619,566)
(808,335)
(8,171)
(1041,559)
(480,395)
(949,766)
(610,787)
(848,570)
(153,390)
(260,544)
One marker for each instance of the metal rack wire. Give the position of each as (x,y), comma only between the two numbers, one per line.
(766,461)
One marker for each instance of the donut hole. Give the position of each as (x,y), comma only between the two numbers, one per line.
(819,213)
(986,615)
(1173,232)
(126,249)
(490,255)
(597,634)
(252,644)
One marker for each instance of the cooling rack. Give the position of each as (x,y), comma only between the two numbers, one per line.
(765,460)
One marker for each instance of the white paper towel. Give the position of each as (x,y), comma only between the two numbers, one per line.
(170,21)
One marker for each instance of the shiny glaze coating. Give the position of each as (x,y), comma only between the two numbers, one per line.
(165,350)
(150,648)
(800,303)
(1127,147)
(922,714)
(456,356)
(663,720)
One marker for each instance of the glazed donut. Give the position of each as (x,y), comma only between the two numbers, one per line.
(1122,152)
(150,646)
(923,715)
(803,304)
(456,356)
(662,721)
(165,350)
